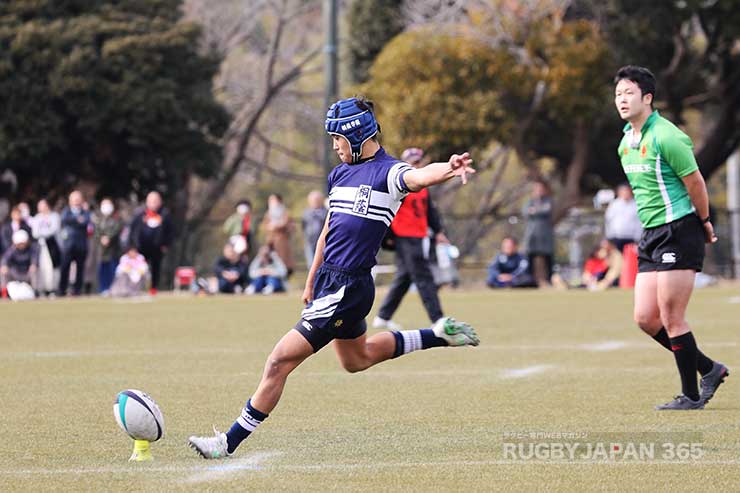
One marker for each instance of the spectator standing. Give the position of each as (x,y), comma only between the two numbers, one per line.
(108,228)
(15,223)
(25,210)
(231,271)
(510,269)
(46,225)
(93,252)
(278,227)
(410,228)
(75,223)
(240,223)
(539,241)
(267,271)
(19,263)
(312,223)
(621,222)
(151,233)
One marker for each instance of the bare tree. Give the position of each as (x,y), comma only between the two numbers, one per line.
(267,47)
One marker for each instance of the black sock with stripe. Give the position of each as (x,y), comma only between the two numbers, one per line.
(684,350)
(703,363)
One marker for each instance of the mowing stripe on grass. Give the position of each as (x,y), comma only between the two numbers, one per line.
(244,465)
(590,347)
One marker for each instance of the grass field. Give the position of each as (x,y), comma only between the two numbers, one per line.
(431,421)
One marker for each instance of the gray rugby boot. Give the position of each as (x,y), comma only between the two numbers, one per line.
(455,333)
(681,403)
(213,447)
(712,380)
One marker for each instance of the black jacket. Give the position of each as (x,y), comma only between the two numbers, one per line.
(151,231)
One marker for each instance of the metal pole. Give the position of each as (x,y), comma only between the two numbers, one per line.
(330,71)
(733,206)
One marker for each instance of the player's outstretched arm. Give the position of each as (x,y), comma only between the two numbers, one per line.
(432,174)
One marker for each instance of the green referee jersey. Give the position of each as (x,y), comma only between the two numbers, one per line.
(654,168)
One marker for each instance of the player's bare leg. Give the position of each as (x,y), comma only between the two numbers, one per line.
(361,353)
(674,290)
(288,353)
(647,311)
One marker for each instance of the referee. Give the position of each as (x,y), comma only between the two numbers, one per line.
(673,206)
(410,226)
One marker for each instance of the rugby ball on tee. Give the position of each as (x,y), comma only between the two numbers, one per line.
(138,415)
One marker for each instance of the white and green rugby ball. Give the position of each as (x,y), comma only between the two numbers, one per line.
(138,415)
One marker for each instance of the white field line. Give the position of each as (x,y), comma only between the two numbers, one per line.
(525,372)
(734,299)
(223,470)
(604,346)
(253,464)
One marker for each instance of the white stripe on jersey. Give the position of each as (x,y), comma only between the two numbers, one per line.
(324,306)
(380,217)
(377,199)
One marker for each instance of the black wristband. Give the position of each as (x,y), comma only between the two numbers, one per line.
(706,219)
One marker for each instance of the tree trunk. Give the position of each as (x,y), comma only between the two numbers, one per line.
(574,172)
(179,202)
(724,137)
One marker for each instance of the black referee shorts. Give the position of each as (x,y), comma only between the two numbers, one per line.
(678,245)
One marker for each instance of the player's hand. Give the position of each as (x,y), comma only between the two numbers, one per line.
(709,235)
(307,296)
(460,164)
(442,239)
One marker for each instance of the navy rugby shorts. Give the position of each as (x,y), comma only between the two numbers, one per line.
(342,300)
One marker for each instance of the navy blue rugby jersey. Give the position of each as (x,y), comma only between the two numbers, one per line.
(363,200)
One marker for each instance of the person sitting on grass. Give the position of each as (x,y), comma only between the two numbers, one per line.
(131,274)
(267,272)
(602,268)
(231,271)
(19,264)
(510,269)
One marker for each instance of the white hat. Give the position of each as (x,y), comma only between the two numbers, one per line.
(20,236)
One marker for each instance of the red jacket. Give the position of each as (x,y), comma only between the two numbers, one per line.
(415,216)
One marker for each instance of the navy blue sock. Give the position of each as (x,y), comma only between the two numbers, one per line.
(413,340)
(428,339)
(244,425)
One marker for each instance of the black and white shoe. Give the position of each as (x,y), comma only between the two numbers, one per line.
(712,380)
(681,403)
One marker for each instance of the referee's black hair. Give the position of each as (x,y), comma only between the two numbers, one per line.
(641,76)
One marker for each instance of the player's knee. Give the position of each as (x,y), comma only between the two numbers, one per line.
(647,321)
(277,366)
